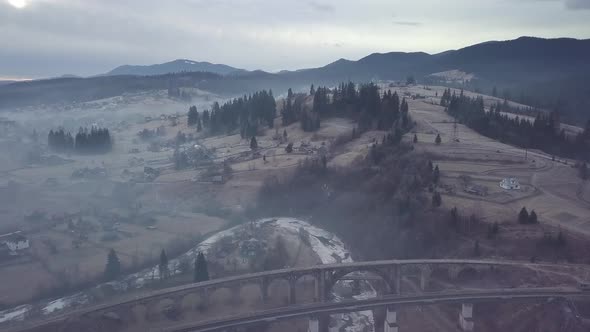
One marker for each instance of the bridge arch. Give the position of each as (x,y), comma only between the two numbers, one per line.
(278,290)
(251,292)
(165,308)
(222,296)
(192,301)
(382,274)
(140,312)
(307,287)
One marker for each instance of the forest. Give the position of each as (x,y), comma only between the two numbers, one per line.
(247,113)
(365,104)
(544,133)
(95,140)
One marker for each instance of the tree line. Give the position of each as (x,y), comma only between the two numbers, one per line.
(113,268)
(364,103)
(95,140)
(246,113)
(544,133)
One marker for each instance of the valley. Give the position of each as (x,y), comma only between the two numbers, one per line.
(122,206)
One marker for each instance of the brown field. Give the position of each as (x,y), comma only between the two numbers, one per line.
(551,188)
(183,206)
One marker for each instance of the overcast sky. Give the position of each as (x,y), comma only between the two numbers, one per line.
(42,38)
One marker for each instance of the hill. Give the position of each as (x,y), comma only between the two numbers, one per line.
(176,66)
(552,74)
(522,59)
(526,70)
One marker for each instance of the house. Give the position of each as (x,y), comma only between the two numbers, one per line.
(15,241)
(510,184)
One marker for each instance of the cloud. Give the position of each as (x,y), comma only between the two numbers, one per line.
(407,23)
(87,37)
(321,7)
(577,4)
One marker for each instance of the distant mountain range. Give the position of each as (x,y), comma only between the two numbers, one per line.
(549,73)
(176,66)
(5,82)
(526,59)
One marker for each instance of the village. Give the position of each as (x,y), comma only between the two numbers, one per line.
(167,186)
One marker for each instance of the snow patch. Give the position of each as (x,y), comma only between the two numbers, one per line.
(329,248)
(15,314)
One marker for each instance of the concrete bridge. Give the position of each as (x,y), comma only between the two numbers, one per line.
(316,310)
(170,302)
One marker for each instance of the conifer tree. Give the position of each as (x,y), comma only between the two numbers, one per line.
(532,219)
(113,267)
(201,272)
(163,265)
(253,143)
(523,216)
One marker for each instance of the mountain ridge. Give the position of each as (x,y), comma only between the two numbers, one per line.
(175,66)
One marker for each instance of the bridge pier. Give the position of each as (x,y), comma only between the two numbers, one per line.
(292,291)
(390,324)
(320,287)
(314,325)
(425,273)
(397,279)
(264,290)
(466,317)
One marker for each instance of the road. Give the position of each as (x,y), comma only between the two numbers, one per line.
(368,304)
(357,266)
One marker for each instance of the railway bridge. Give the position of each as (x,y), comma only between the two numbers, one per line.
(169,304)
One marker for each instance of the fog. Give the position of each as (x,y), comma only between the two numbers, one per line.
(448,151)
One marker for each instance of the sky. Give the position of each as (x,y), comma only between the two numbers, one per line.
(47,38)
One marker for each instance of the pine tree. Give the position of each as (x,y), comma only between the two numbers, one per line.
(533,218)
(201,272)
(436,199)
(584,171)
(113,267)
(193,116)
(436,175)
(253,143)
(523,216)
(438,140)
(163,266)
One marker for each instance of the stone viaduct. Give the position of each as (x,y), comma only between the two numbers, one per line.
(168,303)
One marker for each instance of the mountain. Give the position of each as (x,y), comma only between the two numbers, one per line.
(5,82)
(176,66)
(524,59)
(548,73)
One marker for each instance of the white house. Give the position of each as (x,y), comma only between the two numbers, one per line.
(510,184)
(15,241)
